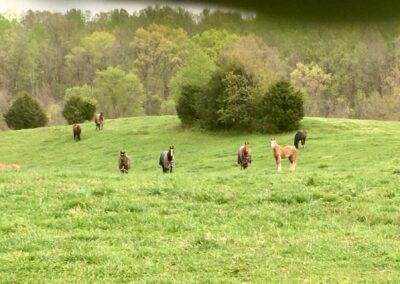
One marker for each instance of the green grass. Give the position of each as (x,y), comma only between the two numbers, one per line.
(69,216)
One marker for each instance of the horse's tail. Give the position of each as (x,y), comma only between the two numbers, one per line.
(296,140)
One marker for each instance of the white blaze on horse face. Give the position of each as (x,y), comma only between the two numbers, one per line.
(273,144)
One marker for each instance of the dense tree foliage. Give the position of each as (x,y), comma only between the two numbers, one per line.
(78,110)
(143,62)
(281,108)
(25,112)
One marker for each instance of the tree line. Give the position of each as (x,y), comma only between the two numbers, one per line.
(143,63)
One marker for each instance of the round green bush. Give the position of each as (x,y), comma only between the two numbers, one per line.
(281,108)
(25,112)
(78,110)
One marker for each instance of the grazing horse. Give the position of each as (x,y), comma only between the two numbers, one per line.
(10,166)
(301,135)
(244,155)
(282,152)
(124,163)
(167,160)
(76,129)
(99,120)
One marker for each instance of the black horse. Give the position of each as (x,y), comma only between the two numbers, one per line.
(301,135)
(167,160)
(76,129)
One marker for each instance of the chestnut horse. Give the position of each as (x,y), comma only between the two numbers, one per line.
(10,166)
(282,152)
(124,163)
(167,160)
(244,155)
(301,135)
(76,129)
(99,120)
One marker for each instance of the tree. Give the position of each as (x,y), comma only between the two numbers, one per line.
(312,81)
(237,102)
(25,112)
(213,41)
(256,58)
(78,110)
(159,51)
(93,53)
(281,108)
(118,93)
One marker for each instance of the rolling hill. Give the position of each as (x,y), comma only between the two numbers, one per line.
(68,215)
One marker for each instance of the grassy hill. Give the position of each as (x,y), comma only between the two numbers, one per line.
(68,215)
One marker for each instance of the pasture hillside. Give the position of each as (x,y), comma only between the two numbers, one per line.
(69,216)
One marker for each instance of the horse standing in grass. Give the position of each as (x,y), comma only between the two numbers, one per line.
(301,135)
(124,163)
(99,120)
(282,152)
(76,129)
(244,155)
(167,160)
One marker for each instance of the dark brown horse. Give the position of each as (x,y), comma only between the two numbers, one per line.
(99,120)
(124,163)
(301,135)
(244,155)
(167,160)
(76,129)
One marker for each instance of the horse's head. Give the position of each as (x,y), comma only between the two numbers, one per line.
(171,153)
(122,153)
(246,150)
(273,143)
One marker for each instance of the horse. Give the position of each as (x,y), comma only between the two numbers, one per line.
(99,120)
(167,160)
(244,156)
(76,129)
(282,152)
(124,163)
(301,135)
(10,166)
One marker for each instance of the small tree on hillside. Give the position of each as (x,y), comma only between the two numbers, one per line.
(186,106)
(77,110)
(25,112)
(281,108)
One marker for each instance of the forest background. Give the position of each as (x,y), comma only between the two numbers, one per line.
(136,63)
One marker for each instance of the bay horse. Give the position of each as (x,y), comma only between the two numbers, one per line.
(244,156)
(99,120)
(167,160)
(10,166)
(282,152)
(124,163)
(301,135)
(76,129)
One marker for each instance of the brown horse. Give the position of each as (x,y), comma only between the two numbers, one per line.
(124,163)
(301,135)
(282,152)
(244,155)
(99,120)
(10,166)
(76,129)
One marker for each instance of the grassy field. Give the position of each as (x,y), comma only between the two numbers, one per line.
(69,216)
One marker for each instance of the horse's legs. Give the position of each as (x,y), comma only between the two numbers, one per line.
(292,160)
(278,164)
